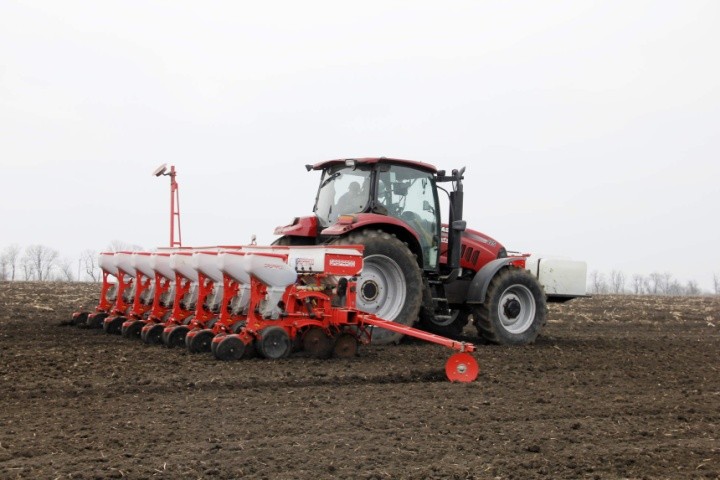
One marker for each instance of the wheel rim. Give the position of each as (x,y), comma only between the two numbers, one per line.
(516,309)
(381,287)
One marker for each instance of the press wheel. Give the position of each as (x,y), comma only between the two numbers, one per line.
(201,341)
(274,343)
(215,342)
(133,329)
(113,325)
(176,336)
(80,319)
(96,320)
(230,348)
(153,334)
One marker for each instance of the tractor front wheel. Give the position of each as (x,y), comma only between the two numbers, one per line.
(514,311)
(390,285)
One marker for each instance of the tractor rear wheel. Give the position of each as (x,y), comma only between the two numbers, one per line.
(514,311)
(390,285)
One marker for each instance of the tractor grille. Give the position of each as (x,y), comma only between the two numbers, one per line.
(469,254)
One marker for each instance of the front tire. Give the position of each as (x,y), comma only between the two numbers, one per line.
(390,285)
(514,311)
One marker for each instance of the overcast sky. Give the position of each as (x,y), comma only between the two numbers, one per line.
(589,129)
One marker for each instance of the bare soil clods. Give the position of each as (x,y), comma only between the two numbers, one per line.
(617,387)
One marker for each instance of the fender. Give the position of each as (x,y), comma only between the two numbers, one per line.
(300,227)
(480,282)
(348,223)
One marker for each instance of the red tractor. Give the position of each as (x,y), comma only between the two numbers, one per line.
(418,269)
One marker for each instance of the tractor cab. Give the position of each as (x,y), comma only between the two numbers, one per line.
(404,191)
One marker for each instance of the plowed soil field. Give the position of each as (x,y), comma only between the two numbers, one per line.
(617,387)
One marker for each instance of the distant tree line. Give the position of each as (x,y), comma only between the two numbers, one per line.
(655,283)
(42,263)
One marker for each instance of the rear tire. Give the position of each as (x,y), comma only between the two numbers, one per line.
(514,311)
(390,285)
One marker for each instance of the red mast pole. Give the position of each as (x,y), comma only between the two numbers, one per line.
(174,210)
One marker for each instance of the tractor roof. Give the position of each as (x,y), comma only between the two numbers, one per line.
(371,161)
